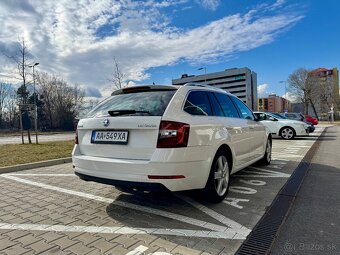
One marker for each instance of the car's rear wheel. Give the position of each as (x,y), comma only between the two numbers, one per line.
(267,158)
(287,133)
(217,185)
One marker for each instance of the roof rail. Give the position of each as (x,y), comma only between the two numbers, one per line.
(198,84)
(202,85)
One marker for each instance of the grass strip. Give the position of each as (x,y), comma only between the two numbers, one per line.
(14,154)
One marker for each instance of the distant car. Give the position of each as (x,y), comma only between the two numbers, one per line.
(280,126)
(181,138)
(312,120)
(294,116)
(297,116)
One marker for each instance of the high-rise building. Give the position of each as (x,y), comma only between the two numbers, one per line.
(241,82)
(274,103)
(328,90)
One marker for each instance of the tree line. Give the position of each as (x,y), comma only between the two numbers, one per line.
(314,90)
(58,103)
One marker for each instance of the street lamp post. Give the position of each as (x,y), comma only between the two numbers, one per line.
(205,72)
(35,105)
(286,106)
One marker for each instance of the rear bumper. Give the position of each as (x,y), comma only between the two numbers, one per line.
(123,172)
(124,184)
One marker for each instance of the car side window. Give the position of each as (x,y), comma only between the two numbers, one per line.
(261,116)
(215,105)
(227,105)
(245,111)
(197,103)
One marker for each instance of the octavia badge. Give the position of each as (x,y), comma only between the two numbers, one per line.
(106,122)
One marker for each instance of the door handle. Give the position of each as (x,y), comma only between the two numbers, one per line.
(251,127)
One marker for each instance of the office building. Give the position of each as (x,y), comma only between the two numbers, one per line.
(274,103)
(241,82)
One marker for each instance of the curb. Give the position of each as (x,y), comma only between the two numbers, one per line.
(263,236)
(21,167)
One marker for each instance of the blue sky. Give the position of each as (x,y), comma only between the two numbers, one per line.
(157,40)
(312,42)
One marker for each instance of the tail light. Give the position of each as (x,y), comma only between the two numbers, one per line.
(173,134)
(76,138)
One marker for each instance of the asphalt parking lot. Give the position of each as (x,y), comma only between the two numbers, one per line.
(51,211)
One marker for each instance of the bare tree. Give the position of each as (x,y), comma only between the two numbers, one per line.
(301,85)
(327,94)
(118,77)
(8,105)
(12,111)
(22,59)
(62,102)
(4,94)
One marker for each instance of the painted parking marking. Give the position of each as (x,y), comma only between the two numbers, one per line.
(230,234)
(250,178)
(242,190)
(141,250)
(54,175)
(138,250)
(236,233)
(235,202)
(219,217)
(260,172)
(50,187)
(253,182)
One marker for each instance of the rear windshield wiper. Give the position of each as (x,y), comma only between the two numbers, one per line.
(124,112)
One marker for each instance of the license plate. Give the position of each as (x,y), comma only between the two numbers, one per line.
(114,137)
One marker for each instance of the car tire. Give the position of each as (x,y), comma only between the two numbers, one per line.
(267,157)
(287,133)
(218,182)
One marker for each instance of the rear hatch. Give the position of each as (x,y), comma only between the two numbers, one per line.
(126,125)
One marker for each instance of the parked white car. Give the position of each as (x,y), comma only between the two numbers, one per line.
(286,128)
(180,138)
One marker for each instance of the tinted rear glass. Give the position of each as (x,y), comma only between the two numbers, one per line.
(154,102)
(197,103)
(227,106)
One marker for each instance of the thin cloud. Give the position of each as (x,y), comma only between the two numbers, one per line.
(262,90)
(209,4)
(78,40)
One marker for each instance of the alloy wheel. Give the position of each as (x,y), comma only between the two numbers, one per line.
(287,133)
(221,175)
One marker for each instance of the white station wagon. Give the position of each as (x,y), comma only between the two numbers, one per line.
(179,138)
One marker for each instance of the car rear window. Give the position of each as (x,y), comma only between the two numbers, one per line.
(197,103)
(153,102)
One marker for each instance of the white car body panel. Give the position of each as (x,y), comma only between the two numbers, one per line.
(139,158)
(275,126)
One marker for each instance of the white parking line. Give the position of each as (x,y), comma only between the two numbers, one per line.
(123,230)
(50,187)
(56,175)
(265,173)
(217,216)
(240,233)
(138,250)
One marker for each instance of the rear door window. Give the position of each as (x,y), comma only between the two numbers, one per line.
(227,105)
(245,111)
(198,103)
(217,109)
(152,102)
